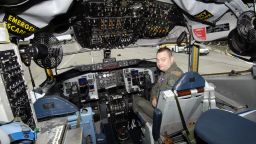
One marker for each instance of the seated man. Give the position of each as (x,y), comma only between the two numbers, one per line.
(170,73)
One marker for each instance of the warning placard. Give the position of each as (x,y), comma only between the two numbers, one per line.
(200,33)
(18,26)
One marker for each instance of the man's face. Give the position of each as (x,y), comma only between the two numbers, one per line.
(164,61)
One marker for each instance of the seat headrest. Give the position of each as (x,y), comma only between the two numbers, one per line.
(189,80)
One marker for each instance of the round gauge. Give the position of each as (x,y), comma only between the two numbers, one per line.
(74,88)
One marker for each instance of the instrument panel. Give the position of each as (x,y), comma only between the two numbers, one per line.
(136,77)
(14,98)
(109,79)
(89,84)
(108,88)
(84,85)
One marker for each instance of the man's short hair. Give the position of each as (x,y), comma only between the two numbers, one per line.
(164,49)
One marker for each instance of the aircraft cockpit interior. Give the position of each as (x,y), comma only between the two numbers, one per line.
(55,91)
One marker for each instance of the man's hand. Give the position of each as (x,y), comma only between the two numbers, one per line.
(154,101)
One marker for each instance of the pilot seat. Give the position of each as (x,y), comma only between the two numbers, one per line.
(218,126)
(194,96)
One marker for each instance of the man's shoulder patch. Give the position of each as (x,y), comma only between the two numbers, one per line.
(177,73)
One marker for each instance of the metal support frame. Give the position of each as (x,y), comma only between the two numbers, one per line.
(194,59)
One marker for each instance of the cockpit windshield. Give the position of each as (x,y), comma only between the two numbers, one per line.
(214,57)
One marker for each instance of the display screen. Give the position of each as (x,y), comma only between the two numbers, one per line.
(82,81)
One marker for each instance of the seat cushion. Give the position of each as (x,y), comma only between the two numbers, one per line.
(222,127)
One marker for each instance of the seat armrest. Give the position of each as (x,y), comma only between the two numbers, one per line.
(157,120)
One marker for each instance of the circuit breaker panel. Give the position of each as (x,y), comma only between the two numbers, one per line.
(14,96)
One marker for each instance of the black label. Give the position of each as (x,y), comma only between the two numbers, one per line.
(217,28)
(18,26)
(203,15)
